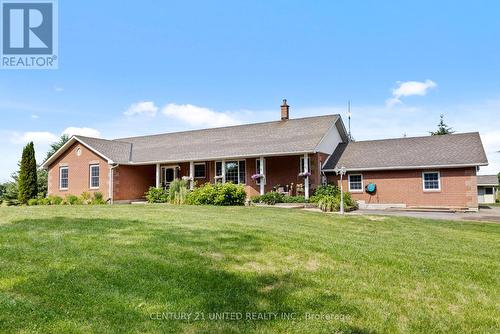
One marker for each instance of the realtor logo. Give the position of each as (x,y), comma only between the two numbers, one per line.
(28,34)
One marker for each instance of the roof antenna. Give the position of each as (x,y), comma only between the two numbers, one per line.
(349,114)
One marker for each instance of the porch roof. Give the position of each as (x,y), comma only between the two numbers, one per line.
(487,180)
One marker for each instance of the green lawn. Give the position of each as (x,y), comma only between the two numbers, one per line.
(120,268)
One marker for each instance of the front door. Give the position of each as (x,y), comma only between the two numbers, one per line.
(168,176)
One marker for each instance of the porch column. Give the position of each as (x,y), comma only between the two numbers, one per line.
(223,171)
(262,180)
(158,170)
(191,175)
(306,179)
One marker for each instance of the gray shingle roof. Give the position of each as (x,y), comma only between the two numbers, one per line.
(447,150)
(487,180)
(280,137)
(118,151)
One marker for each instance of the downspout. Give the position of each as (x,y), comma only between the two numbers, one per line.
(110,190)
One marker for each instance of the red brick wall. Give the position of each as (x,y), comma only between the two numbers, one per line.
(78,172)
(458,188)
(131,182)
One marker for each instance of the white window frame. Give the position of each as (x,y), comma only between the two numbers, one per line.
(204,170)
(90,176)
(224,170)
(301,166)
(60,177)
(439,181)
(362,183)
(257,171)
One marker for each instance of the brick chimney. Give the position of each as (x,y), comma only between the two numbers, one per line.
(285,111)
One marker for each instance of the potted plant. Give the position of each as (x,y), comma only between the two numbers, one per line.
(305,174)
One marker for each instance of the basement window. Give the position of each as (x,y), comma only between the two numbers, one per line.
(431,181)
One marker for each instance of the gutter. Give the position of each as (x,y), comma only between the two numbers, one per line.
(410,167)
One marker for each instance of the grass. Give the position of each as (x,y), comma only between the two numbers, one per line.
(117,269)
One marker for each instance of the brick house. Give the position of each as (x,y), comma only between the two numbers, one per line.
(290,154)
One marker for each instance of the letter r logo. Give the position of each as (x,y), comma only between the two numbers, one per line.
(27,28)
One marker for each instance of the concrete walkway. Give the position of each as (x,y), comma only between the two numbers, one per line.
(489,214)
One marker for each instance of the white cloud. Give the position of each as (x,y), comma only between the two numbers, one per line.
(198,116)
(38,137)
(33,116)
(409,88)
(87,132)
(58,89)
(147,108)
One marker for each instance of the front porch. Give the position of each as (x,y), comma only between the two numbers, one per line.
(130,182)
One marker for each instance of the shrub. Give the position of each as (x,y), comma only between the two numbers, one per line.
(177,192)
(329,203)
(321,191)
(85,198)
(332,203)
(45,201)
(204,195)
(32,201)
(73,200)
(272,198)
(98,199)
(12,202)
(55,200)
(219,194)
(156,195)
(255,199)
(229,194)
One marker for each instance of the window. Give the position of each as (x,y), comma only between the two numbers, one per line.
(301,169)
(432,181)
(63,178)
(257,170)
(218,171)
(235,171)
(356,182)
(488,191)
(199,170)
(94,176)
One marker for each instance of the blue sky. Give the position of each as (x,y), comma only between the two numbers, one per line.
(131,68)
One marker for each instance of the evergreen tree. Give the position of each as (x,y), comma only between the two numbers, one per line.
(443,128)
(27,182)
